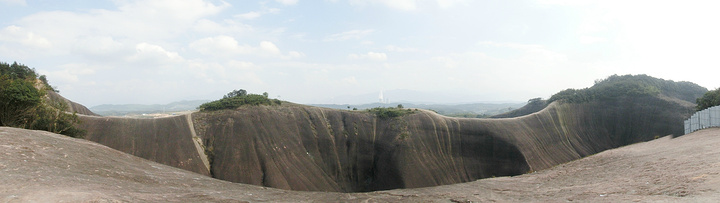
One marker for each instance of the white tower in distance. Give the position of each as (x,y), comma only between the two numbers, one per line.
(381,97)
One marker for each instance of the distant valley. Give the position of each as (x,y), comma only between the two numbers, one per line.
(469,110)
(139,109)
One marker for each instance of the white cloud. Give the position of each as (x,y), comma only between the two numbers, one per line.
(256,14)
(219,45)
(447,62)
(153,55)
(14,34)
(409,5)
(14,2)
(294,55)
(532,52)
(249,15)
(395,4)
(643,39)
(287,2)
(348,35)
(586,39)
(373,56)
(138,20)
(101,48)
(269,47)
(228,73)
(225,27)
(227,46)
(401,4)
(565,2)
(183,10)
(350,80)
(451,3)
(394,48)
(69,73)
(241,65)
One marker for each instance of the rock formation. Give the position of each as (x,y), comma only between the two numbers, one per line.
(300,147)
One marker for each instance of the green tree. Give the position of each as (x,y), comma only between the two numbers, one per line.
(50,118)
(617,86)
(238,98)
(709,99)
(236,93)
(389,112)
(17,98)
(44,80)
(23,102)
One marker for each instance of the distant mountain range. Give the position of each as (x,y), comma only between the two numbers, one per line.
(456,110)
(125,109)
(410,96)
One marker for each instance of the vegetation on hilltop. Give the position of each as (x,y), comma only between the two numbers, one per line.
(465,110)
(533,105)
(617,86)
(709,99)
(237,98)
(23,102)
(391,112)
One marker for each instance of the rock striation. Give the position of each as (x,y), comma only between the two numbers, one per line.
(299,147)
(164,140)
(72,106)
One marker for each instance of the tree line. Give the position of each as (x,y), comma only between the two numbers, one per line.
(709,99)
(24,104)
(237,98)
(630,85)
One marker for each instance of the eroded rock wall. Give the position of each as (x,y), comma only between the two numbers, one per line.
(309,148)
(164,140)
(72,106)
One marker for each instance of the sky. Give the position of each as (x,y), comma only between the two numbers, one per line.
(160,51)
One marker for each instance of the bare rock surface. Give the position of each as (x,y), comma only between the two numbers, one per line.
(167,140)
(307,148)
(45,167)
(316,149)
(71,106)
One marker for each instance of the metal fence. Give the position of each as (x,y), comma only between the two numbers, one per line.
(703,119)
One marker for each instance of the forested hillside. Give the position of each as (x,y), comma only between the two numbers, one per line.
(24,102)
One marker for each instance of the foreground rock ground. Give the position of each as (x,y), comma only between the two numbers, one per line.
(45,167)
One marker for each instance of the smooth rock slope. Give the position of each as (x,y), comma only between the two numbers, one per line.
(39,166)
(308,148)
(300,147)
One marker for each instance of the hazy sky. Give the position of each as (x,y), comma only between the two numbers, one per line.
(159,51)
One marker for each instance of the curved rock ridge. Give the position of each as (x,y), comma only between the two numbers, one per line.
(72,106)
(310,148)
(300,147)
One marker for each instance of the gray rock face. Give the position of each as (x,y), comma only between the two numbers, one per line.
(310,148)
(72,106)
(316,149)
(163,140)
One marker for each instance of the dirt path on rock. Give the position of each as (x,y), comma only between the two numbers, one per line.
(198,142)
